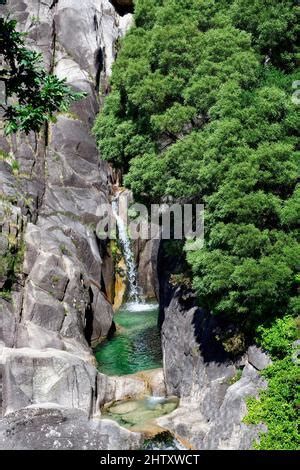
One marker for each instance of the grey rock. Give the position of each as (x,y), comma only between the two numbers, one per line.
(3,245)
(48,274)
(155,380)
(146,253)
(7,323)
(54,205)
(54,428)
(258,358)
(42,307)
(199,371)
(73,325)
(228,431)
(32,238)
(30,335)
(37,377)
(192,357)
(113,388)
(61,179)
(102,316)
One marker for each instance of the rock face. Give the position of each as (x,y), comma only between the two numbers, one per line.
(112,388)
(54,428)
(257,358)
(62,181)
(197,370)
(55,302)
(58,377)
(146,254)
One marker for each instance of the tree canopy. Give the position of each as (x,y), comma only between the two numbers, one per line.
(201,108)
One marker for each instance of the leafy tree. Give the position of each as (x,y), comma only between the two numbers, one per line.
(195,112)
(33,94)
(274,25)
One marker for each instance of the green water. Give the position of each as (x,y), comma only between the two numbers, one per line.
(135,346)
(134,414)
(142,412)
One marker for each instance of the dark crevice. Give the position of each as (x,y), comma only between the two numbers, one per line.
(55,2)
(103,288)
(122,6)
(65,289)
(111,331)
(205,327)
(95,397)
(89,318)
(46,134)
(96,24)
(21,309)
(92,401)
(170,260)
(99,63)
(53,47)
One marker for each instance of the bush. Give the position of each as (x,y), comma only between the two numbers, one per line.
(277,407)
(277,339)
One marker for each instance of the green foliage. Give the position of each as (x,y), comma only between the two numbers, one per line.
(236,377)
(161,440)
(15,166)
(182,280)
(5,294)
(10,265)
(64,250)
(274,25)
(196,112)
(278,405)
(234,343)
(34,95)
(277,339)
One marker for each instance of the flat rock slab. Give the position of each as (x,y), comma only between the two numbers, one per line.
(52,428)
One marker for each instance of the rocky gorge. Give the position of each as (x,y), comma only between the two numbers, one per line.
(60,290)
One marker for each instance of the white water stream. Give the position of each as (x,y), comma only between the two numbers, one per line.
(134,293)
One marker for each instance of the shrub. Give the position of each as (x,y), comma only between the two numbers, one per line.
(277,339)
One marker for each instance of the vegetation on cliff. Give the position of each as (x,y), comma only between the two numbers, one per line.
(32,95)
(201,109)
(278,405)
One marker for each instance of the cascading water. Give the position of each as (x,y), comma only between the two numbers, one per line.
(134,290)
(136,346)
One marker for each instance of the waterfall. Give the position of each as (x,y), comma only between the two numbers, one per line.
(134,290)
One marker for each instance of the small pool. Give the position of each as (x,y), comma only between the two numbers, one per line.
(136,345)
(140,414)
